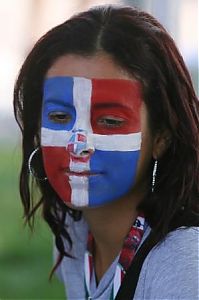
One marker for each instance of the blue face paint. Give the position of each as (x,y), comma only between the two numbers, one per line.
(91,138)
(117,177)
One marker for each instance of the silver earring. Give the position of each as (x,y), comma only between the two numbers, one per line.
(30,168)
(154,174)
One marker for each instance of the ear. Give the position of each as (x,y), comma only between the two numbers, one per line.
(161,143)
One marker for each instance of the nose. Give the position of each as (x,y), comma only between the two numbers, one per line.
(78,144)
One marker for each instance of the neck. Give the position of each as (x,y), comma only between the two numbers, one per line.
(109,226)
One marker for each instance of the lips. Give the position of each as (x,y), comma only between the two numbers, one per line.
(84,173)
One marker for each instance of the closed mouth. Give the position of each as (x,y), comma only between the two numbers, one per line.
(80,174)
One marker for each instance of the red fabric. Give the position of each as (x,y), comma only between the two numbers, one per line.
(130,246)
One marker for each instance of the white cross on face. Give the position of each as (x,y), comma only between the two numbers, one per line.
(91,135)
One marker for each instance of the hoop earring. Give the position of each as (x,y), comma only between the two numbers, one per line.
(30,168)
(154,175)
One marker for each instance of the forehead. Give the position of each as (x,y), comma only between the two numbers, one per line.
(100,65)
(100,92)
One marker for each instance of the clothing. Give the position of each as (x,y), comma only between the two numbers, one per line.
(126,256)
(170,270)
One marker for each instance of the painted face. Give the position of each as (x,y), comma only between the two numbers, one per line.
(91,138)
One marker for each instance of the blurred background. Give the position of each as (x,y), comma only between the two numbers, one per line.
(26,259)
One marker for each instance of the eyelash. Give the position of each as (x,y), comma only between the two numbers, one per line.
(104,122)
(60,117)
(110,122)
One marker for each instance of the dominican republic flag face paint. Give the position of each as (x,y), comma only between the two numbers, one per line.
(91,138)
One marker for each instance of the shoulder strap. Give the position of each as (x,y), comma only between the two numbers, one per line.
(129,283)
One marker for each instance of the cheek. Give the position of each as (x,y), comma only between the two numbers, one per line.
(117,178)
(56,160)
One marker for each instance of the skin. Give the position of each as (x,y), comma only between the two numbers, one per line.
(111,223)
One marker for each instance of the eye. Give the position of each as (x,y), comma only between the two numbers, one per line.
(60,117)
(110,122)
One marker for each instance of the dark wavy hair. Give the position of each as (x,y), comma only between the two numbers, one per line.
(140,45)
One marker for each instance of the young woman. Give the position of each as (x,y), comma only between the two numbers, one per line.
(110,123)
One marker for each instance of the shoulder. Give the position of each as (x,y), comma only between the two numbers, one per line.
(170,270)
(177,240)
(177,243)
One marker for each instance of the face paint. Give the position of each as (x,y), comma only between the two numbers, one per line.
(91,138)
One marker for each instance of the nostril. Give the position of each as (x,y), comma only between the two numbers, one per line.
(79,146)
(86,152)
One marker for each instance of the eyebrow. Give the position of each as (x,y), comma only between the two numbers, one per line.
(110,105)
(57,101)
